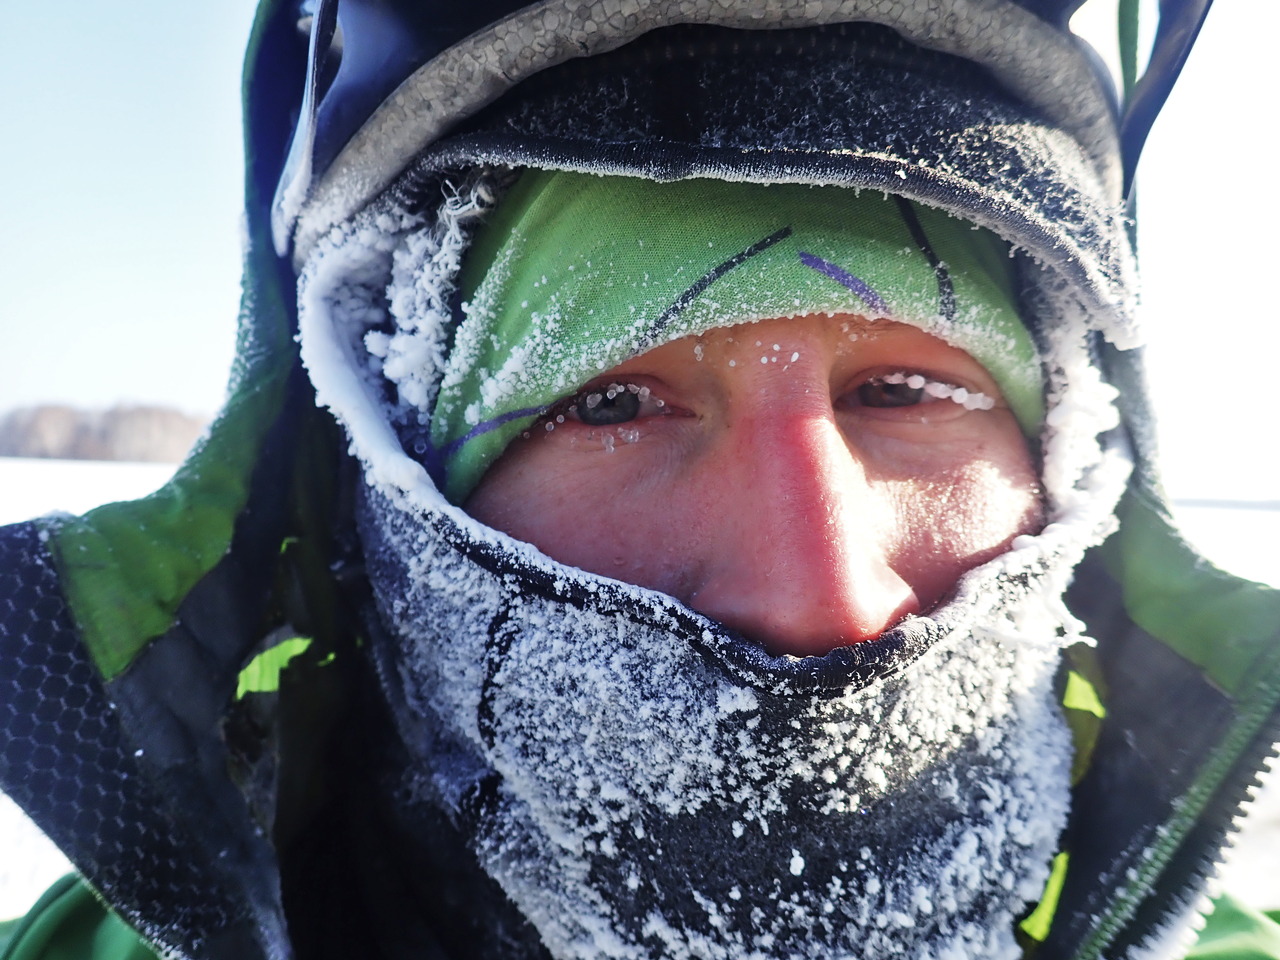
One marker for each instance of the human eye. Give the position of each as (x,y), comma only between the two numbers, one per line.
(903,388)
(604,405)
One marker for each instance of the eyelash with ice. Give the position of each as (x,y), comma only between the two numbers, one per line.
(591,398)
(569,408)
(969,399)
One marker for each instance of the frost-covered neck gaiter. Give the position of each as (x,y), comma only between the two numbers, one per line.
(573,274)
(641,782)
(643,785)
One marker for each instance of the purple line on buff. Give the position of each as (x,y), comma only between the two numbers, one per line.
(845,279)
(492,424)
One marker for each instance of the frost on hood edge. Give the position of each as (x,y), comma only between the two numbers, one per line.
(343,296)
(345,307)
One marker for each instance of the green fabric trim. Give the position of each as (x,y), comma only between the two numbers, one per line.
(1084,714)
(1036,926)
(574,273)
(126,567)
(1080,695)
(1084,711)
(1127,35)
(262,673)
(1235,931)
(1226,626)
(1223,624)
(70,923)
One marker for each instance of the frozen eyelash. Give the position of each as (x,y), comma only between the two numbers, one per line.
(592,399)
(969,399)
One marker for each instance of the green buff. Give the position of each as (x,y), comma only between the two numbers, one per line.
(574,274)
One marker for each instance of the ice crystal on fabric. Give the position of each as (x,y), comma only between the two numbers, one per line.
(653,803)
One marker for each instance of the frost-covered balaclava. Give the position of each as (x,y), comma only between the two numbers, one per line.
(573,274)
(642,782)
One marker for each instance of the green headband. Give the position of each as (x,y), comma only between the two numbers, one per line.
(574,274)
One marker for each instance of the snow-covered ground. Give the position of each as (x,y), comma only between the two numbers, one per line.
(1238,538)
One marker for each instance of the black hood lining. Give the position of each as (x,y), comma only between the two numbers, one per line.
(853,105)
(1039,59)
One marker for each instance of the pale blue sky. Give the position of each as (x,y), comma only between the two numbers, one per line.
(119,223)
(119,216)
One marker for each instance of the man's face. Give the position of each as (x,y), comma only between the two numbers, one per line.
(779,477)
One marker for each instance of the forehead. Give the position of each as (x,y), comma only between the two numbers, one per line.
(843,340)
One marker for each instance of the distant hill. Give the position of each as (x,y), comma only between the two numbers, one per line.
(143,434)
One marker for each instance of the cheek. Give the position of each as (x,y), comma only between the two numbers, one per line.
(641,514)
(519,496)
(950,523)
(612,510)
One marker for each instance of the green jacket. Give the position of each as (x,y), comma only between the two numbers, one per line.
(71,923)
(146,725)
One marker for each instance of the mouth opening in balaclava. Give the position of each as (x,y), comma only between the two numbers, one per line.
(574,274)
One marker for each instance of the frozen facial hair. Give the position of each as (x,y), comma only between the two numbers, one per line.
(574,274)
(641,782)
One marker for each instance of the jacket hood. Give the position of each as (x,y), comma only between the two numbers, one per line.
(197,812)
(459,74)
(446,590)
